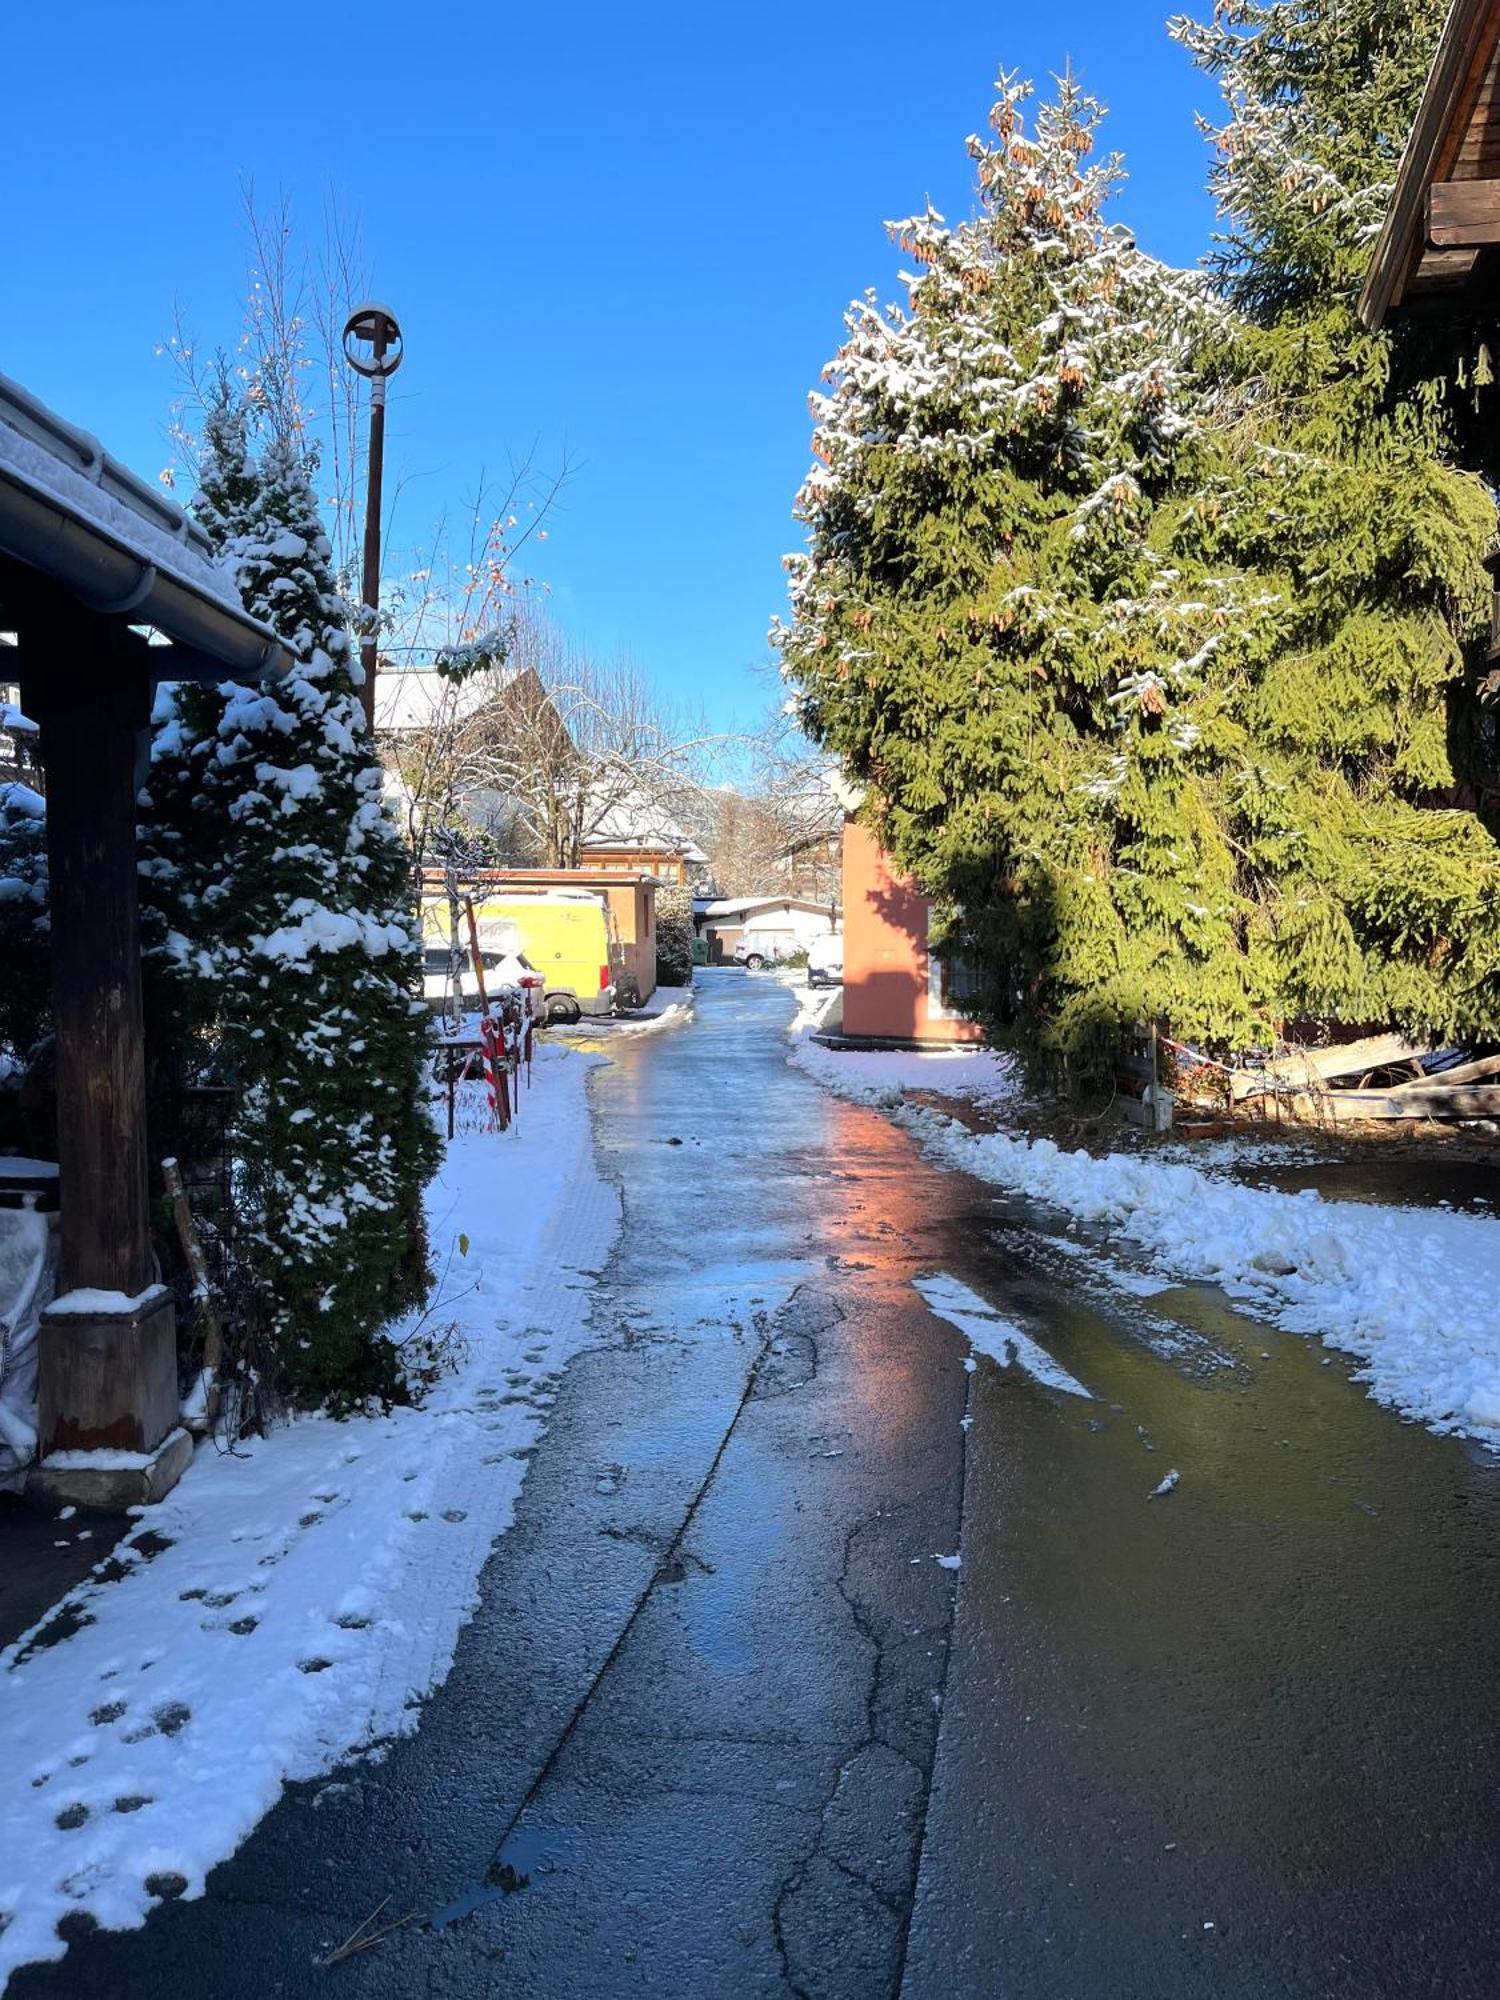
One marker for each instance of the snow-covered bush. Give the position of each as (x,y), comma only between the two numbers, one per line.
(674,936)
(282,940)
(25,1010)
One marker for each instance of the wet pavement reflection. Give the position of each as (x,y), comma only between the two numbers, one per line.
(723,1726)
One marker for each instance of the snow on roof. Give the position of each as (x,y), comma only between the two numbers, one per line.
(52,459)
(634,821)
(728,906)
(408,698)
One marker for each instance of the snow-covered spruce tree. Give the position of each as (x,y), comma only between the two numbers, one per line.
(1146,685)
(1319,98)
(282,939)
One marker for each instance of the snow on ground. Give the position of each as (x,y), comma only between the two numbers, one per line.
(987,1332)
(1413,1293)
(293,1604)
(881,1076)
(668,1007)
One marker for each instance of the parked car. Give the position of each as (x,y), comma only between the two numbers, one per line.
(437,974)
(758,948)
(825,960)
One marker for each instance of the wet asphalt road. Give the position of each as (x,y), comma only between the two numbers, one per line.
(722,1726)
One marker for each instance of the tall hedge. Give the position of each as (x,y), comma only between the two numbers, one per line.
(1139,620)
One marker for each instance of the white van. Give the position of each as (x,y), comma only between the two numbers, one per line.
(825,960)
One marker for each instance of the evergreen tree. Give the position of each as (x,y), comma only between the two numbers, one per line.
(1143,664)
(283,939)
(1319,97)
(674,936)
(25,998)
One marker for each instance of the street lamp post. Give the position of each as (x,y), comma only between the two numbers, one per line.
(373,348)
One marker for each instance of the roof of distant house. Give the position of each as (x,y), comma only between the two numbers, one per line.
(740,906)
(411,698)
(635,822)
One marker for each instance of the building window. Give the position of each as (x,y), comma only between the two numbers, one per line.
(952,982)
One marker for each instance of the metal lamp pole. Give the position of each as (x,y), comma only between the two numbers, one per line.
(373,348)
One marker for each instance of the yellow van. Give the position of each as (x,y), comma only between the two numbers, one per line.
(561,933)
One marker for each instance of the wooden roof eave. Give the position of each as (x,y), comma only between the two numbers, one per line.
(1465,51)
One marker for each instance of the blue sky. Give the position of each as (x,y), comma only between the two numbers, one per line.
(621,235)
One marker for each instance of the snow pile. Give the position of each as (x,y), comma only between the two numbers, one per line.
(668,1007)
(881,1076)
(1414,1293)
(320,929)
(89,1300)
(293,1604)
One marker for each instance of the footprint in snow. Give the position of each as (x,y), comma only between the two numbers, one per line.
(168,1720)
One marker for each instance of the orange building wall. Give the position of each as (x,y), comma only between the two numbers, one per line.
(885,951)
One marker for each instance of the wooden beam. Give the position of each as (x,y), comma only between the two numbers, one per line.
(37,660)
(1429,1100)
(1469,1072)
(91,700)
(1314,1066)
(1464,53)
(1463,215)
(1441,273)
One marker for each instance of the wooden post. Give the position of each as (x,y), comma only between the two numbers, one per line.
(107,1366)
(92,699)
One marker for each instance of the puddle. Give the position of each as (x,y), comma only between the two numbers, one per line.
(527,1857)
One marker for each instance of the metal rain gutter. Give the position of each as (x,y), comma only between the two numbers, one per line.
(100,567)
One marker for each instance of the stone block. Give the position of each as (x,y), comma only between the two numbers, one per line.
(107,1373)
(111,1480)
